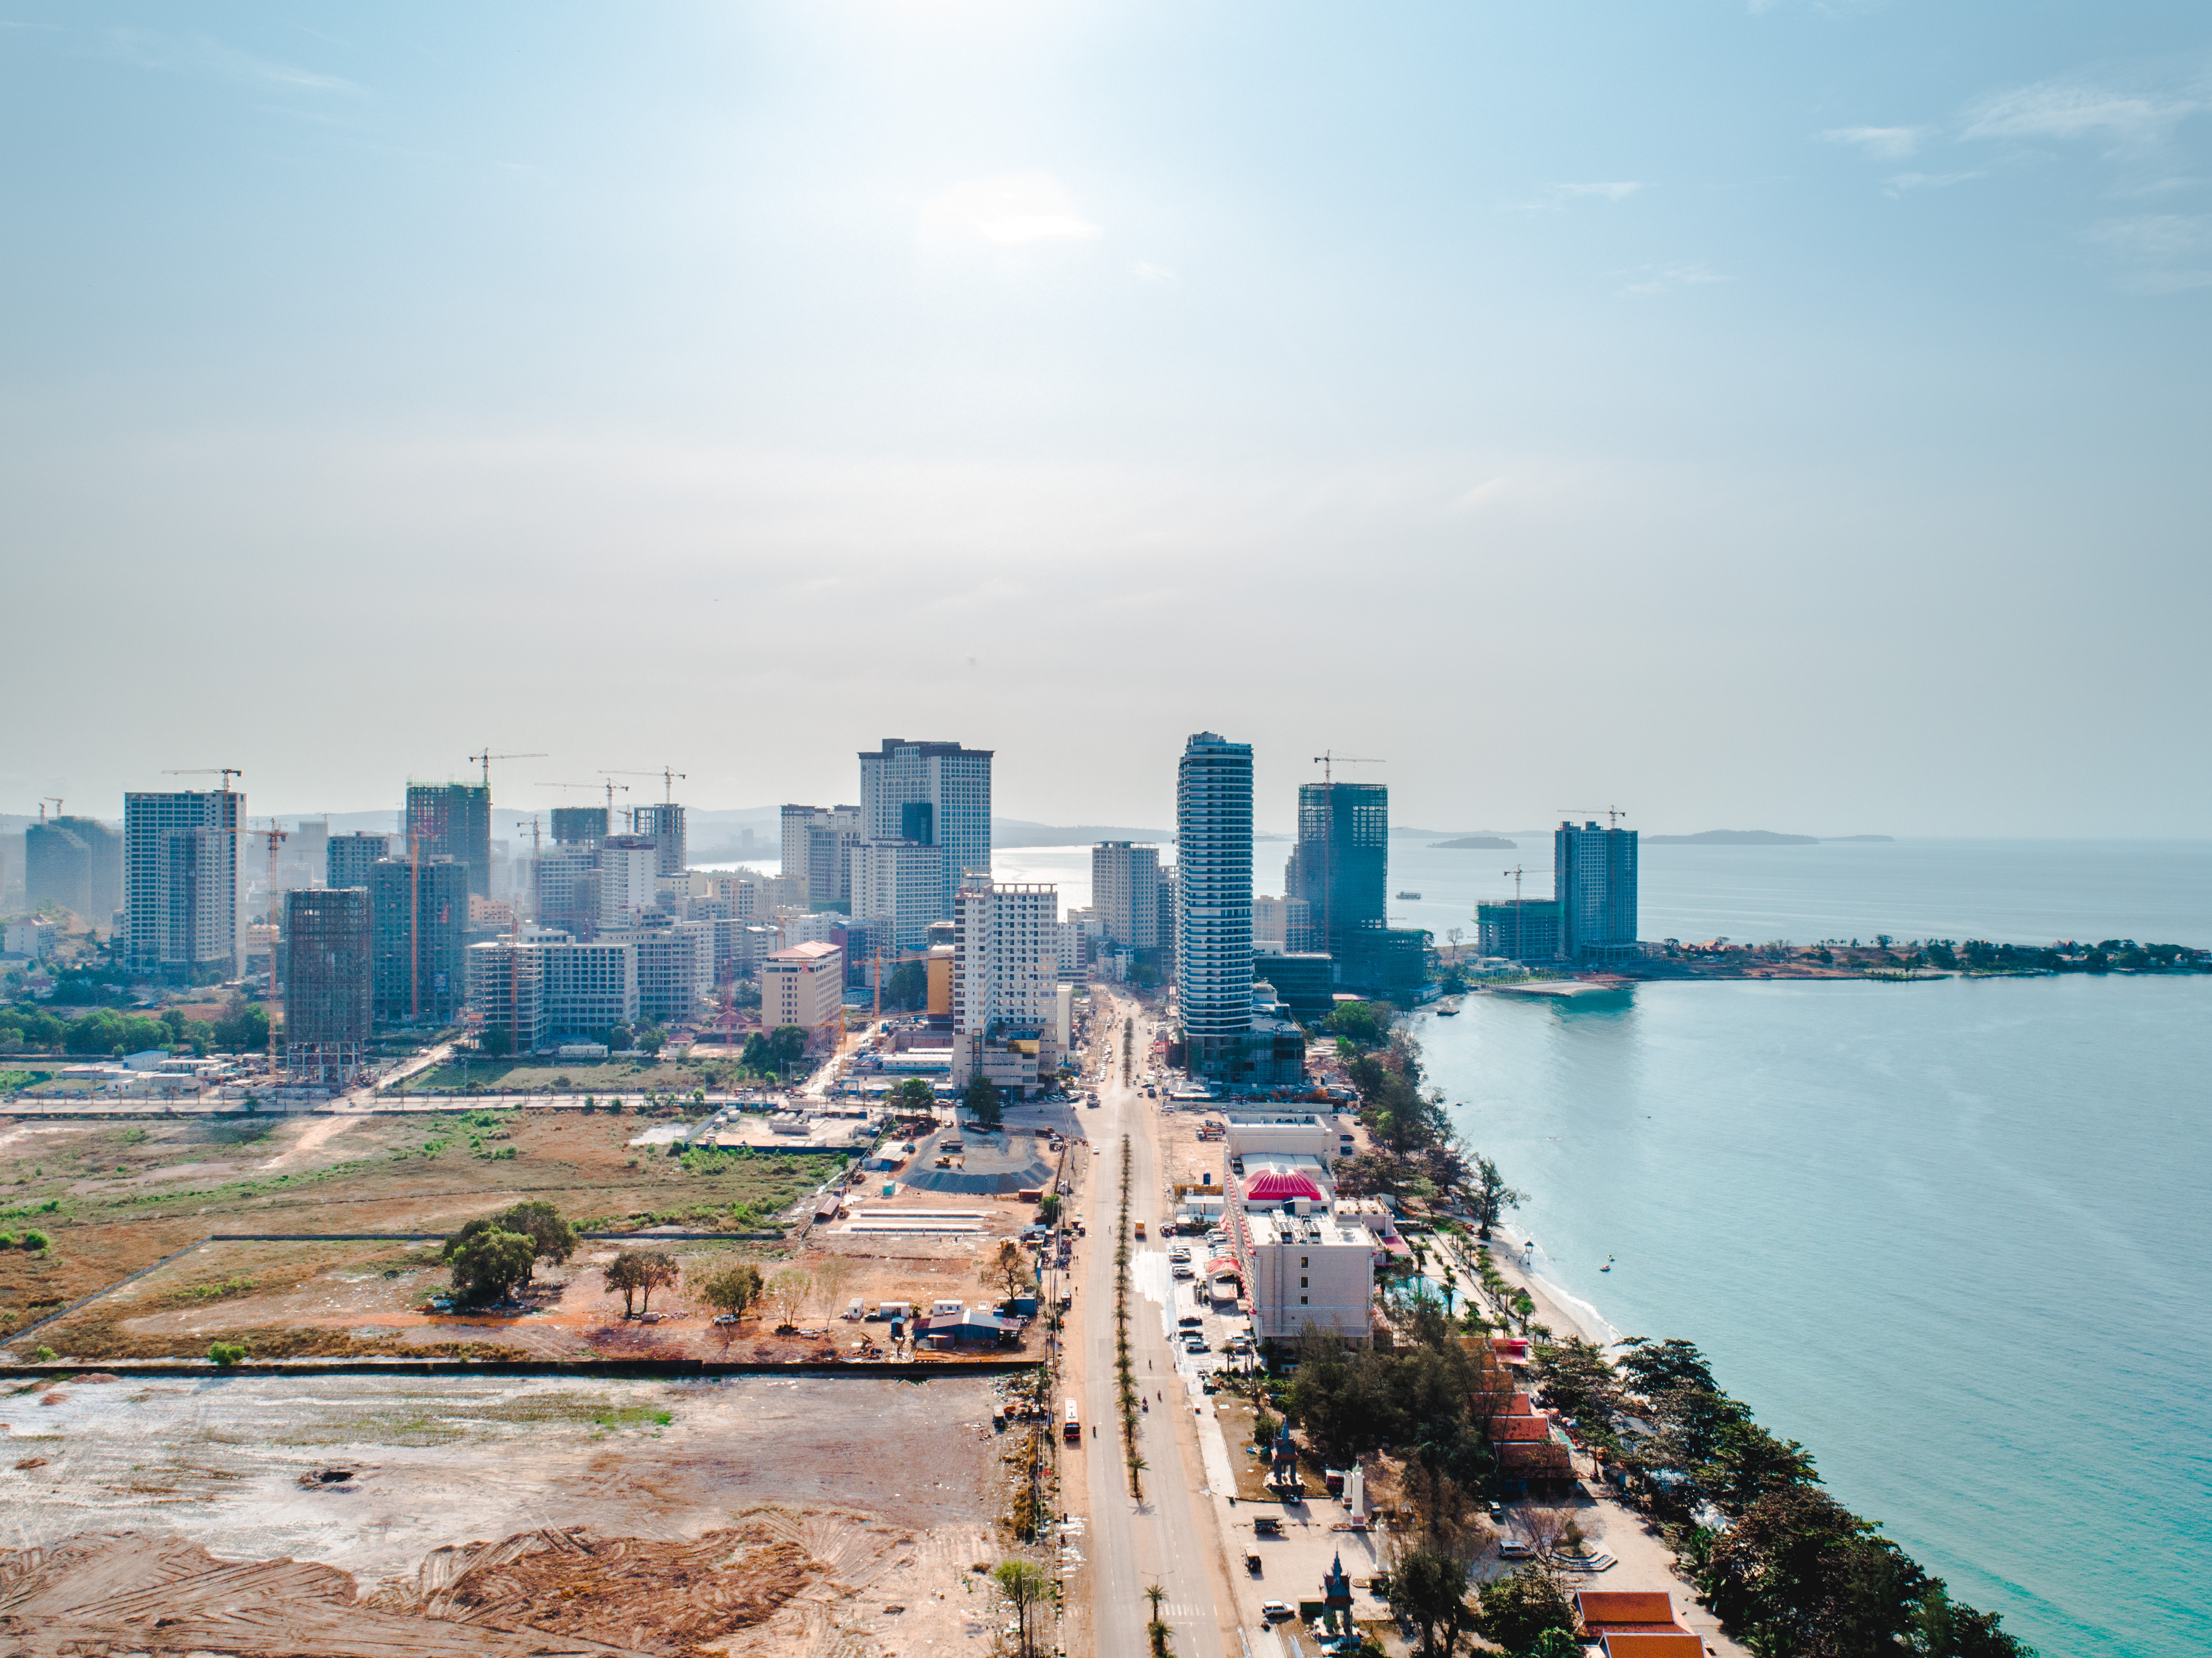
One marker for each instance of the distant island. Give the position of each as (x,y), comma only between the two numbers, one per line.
(1754,838)
(1474,843)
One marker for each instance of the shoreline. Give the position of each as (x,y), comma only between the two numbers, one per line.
(1558,1309)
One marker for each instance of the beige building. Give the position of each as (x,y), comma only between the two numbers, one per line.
(804,986)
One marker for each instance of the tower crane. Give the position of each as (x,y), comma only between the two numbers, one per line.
(488,756)
(1327,760)
(667,774)
(227,773)
(1613,814)
(609,787)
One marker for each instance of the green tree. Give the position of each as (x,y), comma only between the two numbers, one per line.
(244,1027)
(1491,1196)
(1026,1588)
(1428,1587)
(222,1354)
(914,1097)
(489,1265)
(733,1289)
(981,1098)
(626,1273)
(1516,1609)
(1363,1024)
(651,1039)
(1800,1573)
(906,985)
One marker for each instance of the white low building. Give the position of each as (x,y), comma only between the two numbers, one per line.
(1301,1264)
(1313,1134)
(804,986)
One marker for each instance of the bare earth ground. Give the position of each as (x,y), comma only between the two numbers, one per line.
(499,1515)
(123,1196)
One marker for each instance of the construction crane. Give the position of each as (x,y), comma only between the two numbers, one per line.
(609,787)
(1327,761)
(1519,936)
(226,772)
(1613,814)
(488,756)
(667,774)
(43,798)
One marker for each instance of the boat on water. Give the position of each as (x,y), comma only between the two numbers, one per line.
(1449,1008)
(1409,895)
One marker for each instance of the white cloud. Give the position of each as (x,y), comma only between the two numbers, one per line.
(1898,183)
(1010,210)
(2057,109)
(199,55)
(1665,278)
(1886,144)
(2157,252)
(1620,191)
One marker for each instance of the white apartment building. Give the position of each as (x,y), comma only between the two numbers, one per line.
(507,991)
(629,875)
(804,986)
(1301,1268)
(1125,892)
(937,795)
(588,987)
(817,851)
(180,879)
(31,935)
(897,886)
(1005,984)
(675,968)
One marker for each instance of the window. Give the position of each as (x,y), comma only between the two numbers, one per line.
(1302,1284)
(1301,1261)
(1301,1301)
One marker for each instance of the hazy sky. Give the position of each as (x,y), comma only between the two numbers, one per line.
(1785,415)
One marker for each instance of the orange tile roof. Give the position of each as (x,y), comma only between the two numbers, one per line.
(1673,1643)
(1525,1430)
(1519,1405)
(1603,1606)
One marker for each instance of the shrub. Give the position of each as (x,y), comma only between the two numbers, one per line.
(224,1354)
(36,1241)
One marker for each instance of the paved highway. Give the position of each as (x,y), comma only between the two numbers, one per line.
(1170,1537)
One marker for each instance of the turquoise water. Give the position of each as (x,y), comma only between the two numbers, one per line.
(1952,1236)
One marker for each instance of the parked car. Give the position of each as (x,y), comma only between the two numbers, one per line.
(1510,1549)
(1182,1271)
(1274,1610)
(1191,1321)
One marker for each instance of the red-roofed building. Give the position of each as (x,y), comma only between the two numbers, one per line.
(1649,1643)
(1522,1469)
(1637,1610)
(1273,1188)
(1519,1430)
(1519,1405)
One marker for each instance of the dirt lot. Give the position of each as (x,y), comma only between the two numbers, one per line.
(365,1515)
(115,1198)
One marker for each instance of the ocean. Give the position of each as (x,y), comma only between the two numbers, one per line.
(1955,1236)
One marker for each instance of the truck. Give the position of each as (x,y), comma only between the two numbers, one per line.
(1070,1427)
(1141,1229)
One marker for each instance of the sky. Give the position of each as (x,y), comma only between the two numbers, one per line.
(1773,415)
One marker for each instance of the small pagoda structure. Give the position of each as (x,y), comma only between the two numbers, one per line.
(1283,1464)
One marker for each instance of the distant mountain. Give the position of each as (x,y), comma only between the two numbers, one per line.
(1473,843)
(1020,832)
(1733,838)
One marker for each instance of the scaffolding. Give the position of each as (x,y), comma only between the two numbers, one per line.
(330,957)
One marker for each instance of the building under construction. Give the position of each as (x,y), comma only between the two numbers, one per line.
(329,983)
(453,820)
(419,912)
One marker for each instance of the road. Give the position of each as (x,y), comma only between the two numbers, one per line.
(1171,1538)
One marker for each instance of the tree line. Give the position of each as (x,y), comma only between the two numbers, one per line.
(107,1032)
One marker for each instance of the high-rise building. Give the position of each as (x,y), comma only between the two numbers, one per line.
(630,866)
(818,852)
(329,982)
(1340,869)
(303,856)
(453,820)
(664,826)
(897,889)
(565,887)
(1519,929)
(347,858)
(589,989)
(1593,883)
(1213,921)
(507,992)
(180,879)
(575,823)
(675,966)
(77,863)
(419,912)
(1282,924)
(803,986)
(1005,977)
(1125,892)
(935,795)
